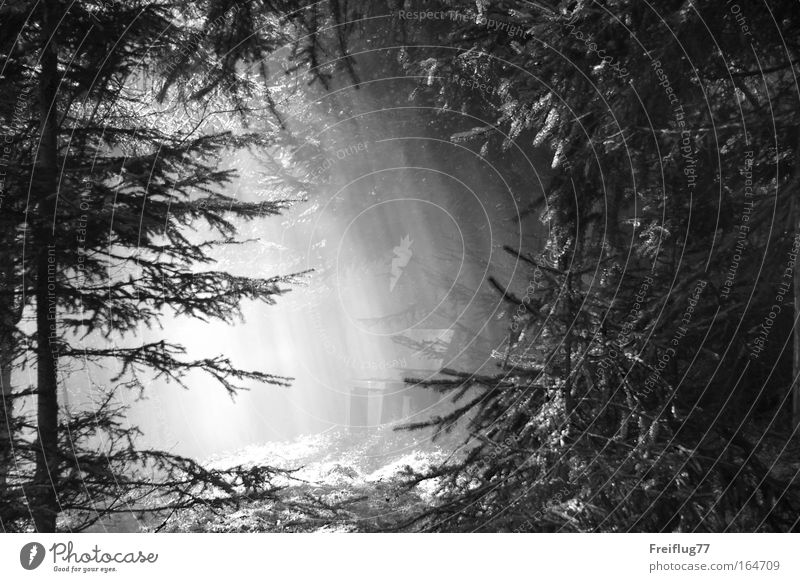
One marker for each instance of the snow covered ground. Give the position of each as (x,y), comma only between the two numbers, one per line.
(357,471)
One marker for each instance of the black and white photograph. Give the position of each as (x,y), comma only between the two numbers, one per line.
(376,267)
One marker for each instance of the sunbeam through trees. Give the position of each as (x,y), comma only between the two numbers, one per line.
(399,266)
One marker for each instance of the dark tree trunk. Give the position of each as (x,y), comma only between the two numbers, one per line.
(45,503)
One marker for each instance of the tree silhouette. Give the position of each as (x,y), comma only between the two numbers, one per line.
(117,202)
(630,399)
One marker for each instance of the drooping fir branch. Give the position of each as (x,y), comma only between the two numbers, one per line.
(98,482)
(162,358)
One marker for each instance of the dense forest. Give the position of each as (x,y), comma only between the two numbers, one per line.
(591,202)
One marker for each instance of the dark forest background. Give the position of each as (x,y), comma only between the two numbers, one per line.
(643,362)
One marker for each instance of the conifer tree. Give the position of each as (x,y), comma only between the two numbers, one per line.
(631,398)
(117,200)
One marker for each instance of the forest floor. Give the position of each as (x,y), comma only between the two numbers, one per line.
(357,473)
